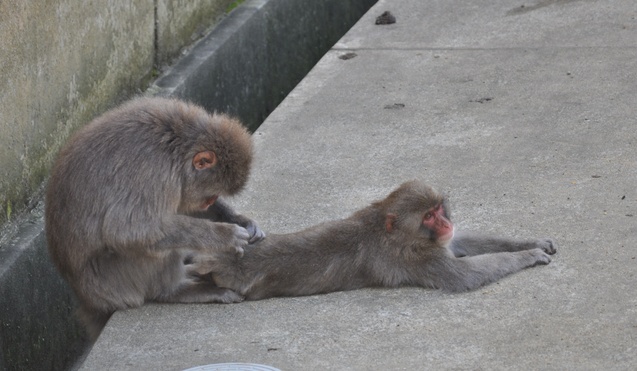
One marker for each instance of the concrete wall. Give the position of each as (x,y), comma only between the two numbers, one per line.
(180,22)
(249,63)
(63,62)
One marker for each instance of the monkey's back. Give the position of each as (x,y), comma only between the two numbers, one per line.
(109,170)
(333,256)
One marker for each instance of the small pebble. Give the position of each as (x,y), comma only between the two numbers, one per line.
(386,18)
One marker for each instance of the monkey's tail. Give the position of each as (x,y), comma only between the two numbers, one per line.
(93,320)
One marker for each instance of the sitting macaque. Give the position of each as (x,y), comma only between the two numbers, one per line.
(406,239)
(133,199)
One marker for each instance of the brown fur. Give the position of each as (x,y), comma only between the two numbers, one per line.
(364,251)
(125,205)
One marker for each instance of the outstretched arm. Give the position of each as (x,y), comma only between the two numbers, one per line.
(470,272)
(470,244)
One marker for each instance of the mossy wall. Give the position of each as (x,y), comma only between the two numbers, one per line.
(64,62)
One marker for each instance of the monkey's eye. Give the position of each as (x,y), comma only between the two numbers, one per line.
(428,216)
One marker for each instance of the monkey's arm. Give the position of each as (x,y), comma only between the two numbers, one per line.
(222,212)
(182,231)
(174,232)
(470,244)
(470,272)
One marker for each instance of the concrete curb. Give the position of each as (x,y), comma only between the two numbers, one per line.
(36,309)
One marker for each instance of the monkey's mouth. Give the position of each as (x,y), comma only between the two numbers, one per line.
(446,235)
(209,202)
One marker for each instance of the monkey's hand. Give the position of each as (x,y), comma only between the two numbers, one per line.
(222,212)
(229,236)
(547,245)
(256,234)
(541,257)
(241,238)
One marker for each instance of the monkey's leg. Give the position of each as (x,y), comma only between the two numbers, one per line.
(468,244)
(471,272)
(202,292)
(225,269)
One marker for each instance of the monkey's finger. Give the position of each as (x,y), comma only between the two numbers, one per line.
(549,246)
(200,267)
(256,235)
(541,258)
(242,234)
(242,237)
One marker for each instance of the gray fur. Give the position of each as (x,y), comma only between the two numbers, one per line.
(359,252)
(124,205)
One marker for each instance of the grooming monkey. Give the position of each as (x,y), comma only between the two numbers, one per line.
(406,239)
(133,200)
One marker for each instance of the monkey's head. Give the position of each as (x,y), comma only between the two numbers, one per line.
(419,211)
(217,162)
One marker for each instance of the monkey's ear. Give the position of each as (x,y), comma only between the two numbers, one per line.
(389,222)
(204,160)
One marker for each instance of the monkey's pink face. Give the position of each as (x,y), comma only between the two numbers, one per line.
(437,222)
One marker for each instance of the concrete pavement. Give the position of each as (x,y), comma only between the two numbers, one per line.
(525,115)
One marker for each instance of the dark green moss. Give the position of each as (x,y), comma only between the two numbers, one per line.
(233,5)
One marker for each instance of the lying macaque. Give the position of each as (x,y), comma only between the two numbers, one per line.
(406,239)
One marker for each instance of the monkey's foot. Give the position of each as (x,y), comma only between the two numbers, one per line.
(204,292)
(227,296)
